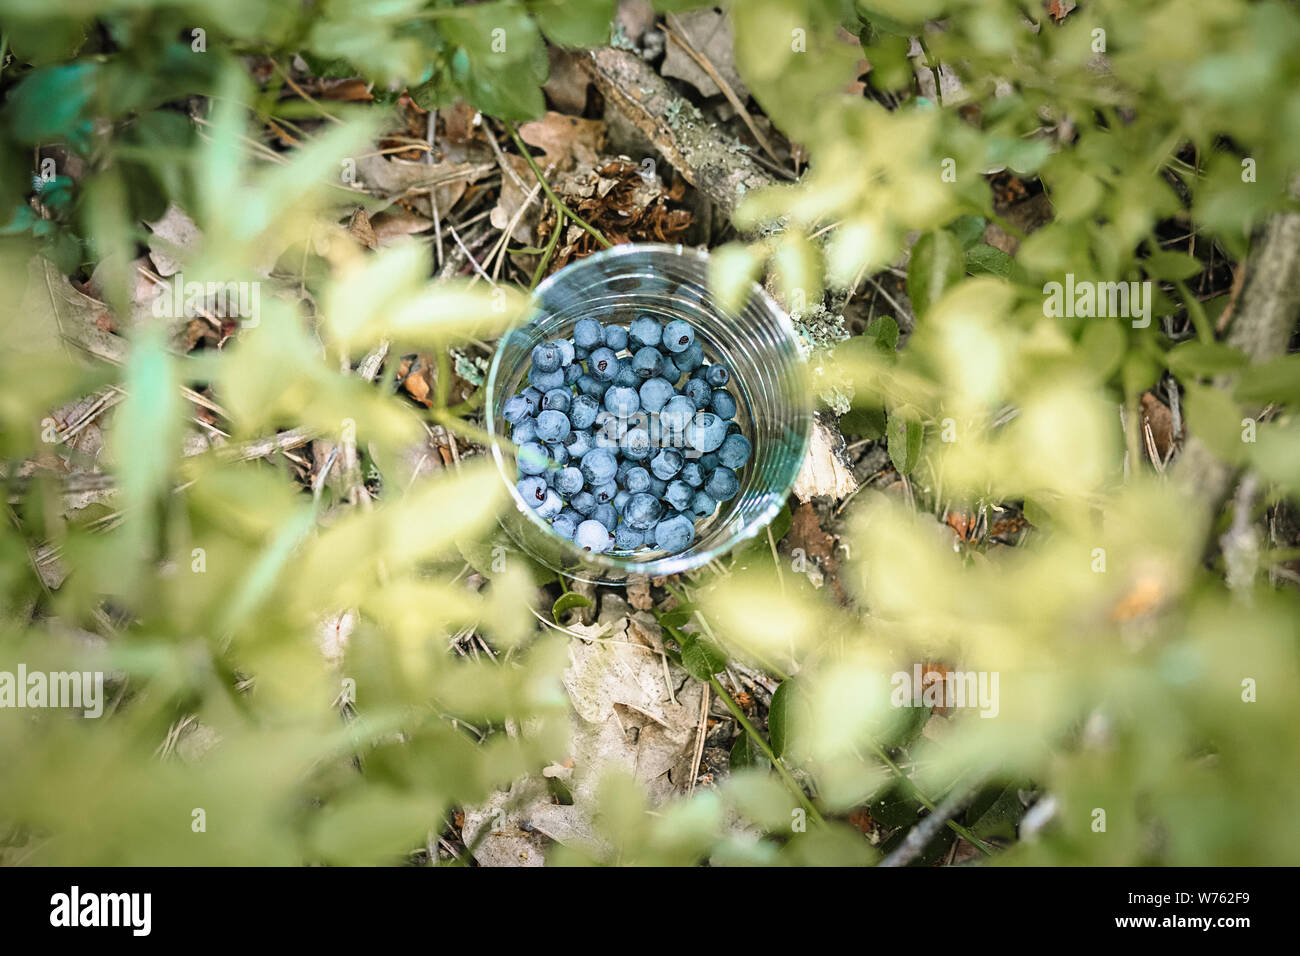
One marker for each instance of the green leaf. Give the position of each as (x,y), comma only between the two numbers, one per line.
(567,602)
(995,813)
(984,259)
(1277,380)
(936,264)
(1216,420)
(48,102)
(968,229)
(571,23)
(904,438)
(1171,266)
(702,660)
(883,330)
(1192,359)
(1023,156)
(744,754)
(866,423)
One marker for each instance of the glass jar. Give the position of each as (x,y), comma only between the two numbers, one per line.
(769,383)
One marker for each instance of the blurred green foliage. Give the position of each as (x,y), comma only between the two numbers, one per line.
(213,591)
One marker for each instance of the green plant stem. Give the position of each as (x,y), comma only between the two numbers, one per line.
(766,748)
(1204,331)
(560,208)
(551,243)
(926,802)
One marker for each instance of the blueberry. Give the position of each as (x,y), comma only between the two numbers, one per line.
(622,401)
(606,515)
(545,381)
(554,426)
(604,492)
(587,334)
(692,474)
(705,432)
(678,495)
(615,337)
(637,480)
(572,373)
(642,511)
(598,466)
(722,484)
(626,538)
(708,463)
(592,387)
(584,502)
(593,536)
(534,396)
(702,504)
(723,404)
(619,501)
(532,490)
(532,458)
(677,336)
(643,332)
(609,431)
(666,464)
(676,415)
(734,451)
(647,362)
(559,454)
(558,399)
(624,467)
(569,481)
(546,357)
(657,486)
(691,359)
(516,409)
(655,393)
(579,444)
(582,412)
(698,391)
(673,534)
(566,523)
(626,374)
(580,354)
(565,348)
(635,445)
(551,507)
(525,431)
(717,375)
(603,364)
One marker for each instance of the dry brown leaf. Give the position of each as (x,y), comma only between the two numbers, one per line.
(395,222)
(177,231)
(566,86)
(564,140)
(359,228)
(709,34)
(512,198)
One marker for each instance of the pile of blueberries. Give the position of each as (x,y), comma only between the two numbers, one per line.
(626,436)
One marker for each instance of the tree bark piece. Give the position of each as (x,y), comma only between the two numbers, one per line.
(1264,318)
(708,162)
